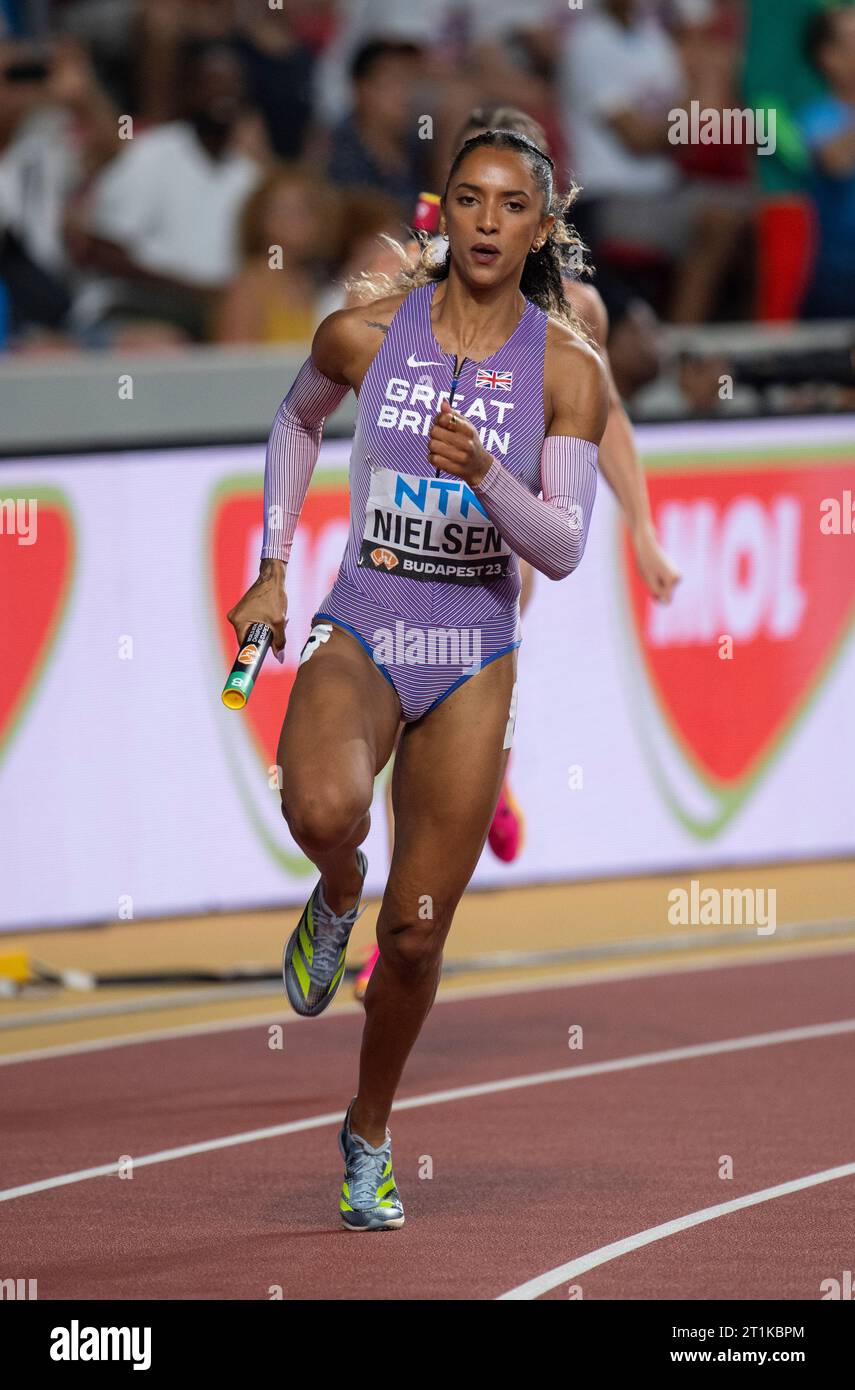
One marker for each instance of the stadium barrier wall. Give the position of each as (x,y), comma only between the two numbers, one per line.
(716,731)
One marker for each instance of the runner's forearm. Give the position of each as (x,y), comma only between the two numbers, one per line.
(622,469)
(549,532)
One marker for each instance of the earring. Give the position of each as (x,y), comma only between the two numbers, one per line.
(536,245)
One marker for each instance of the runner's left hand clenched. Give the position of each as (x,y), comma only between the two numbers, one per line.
(454,446)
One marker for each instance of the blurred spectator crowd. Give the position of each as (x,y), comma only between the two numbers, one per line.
(185,171)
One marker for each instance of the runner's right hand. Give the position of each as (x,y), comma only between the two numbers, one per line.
(264,602)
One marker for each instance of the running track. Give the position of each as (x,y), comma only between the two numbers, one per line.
(533,1168)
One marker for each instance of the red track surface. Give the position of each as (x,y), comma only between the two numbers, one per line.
(524,1180)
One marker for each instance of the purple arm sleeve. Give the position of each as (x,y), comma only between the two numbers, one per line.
(292,452)
(550,532)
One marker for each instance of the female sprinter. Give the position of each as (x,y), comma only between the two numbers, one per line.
(619,465)
(422,623)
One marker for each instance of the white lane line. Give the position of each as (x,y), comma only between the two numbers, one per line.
(186,1030)
(447,995)
(543,1283)
(483,1088)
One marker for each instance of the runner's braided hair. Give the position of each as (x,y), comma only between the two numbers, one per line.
(541,279)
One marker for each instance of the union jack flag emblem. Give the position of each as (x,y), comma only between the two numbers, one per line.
(495,381)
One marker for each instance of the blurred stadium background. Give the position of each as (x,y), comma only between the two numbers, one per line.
(184,190)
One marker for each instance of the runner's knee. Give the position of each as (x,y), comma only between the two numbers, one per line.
(325,817)
(412,949)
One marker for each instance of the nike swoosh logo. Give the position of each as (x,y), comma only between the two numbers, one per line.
(413,362)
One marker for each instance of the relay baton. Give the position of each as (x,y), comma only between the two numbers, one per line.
(254,649)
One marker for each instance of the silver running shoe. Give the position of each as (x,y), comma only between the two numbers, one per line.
(369,1198)
(313,961)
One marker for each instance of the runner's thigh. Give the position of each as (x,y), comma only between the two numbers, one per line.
(339,728)
(448,774)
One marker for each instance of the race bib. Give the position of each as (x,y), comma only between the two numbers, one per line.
(430,528)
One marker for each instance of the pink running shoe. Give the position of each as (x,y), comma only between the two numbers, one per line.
(507,831)
(360,984)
